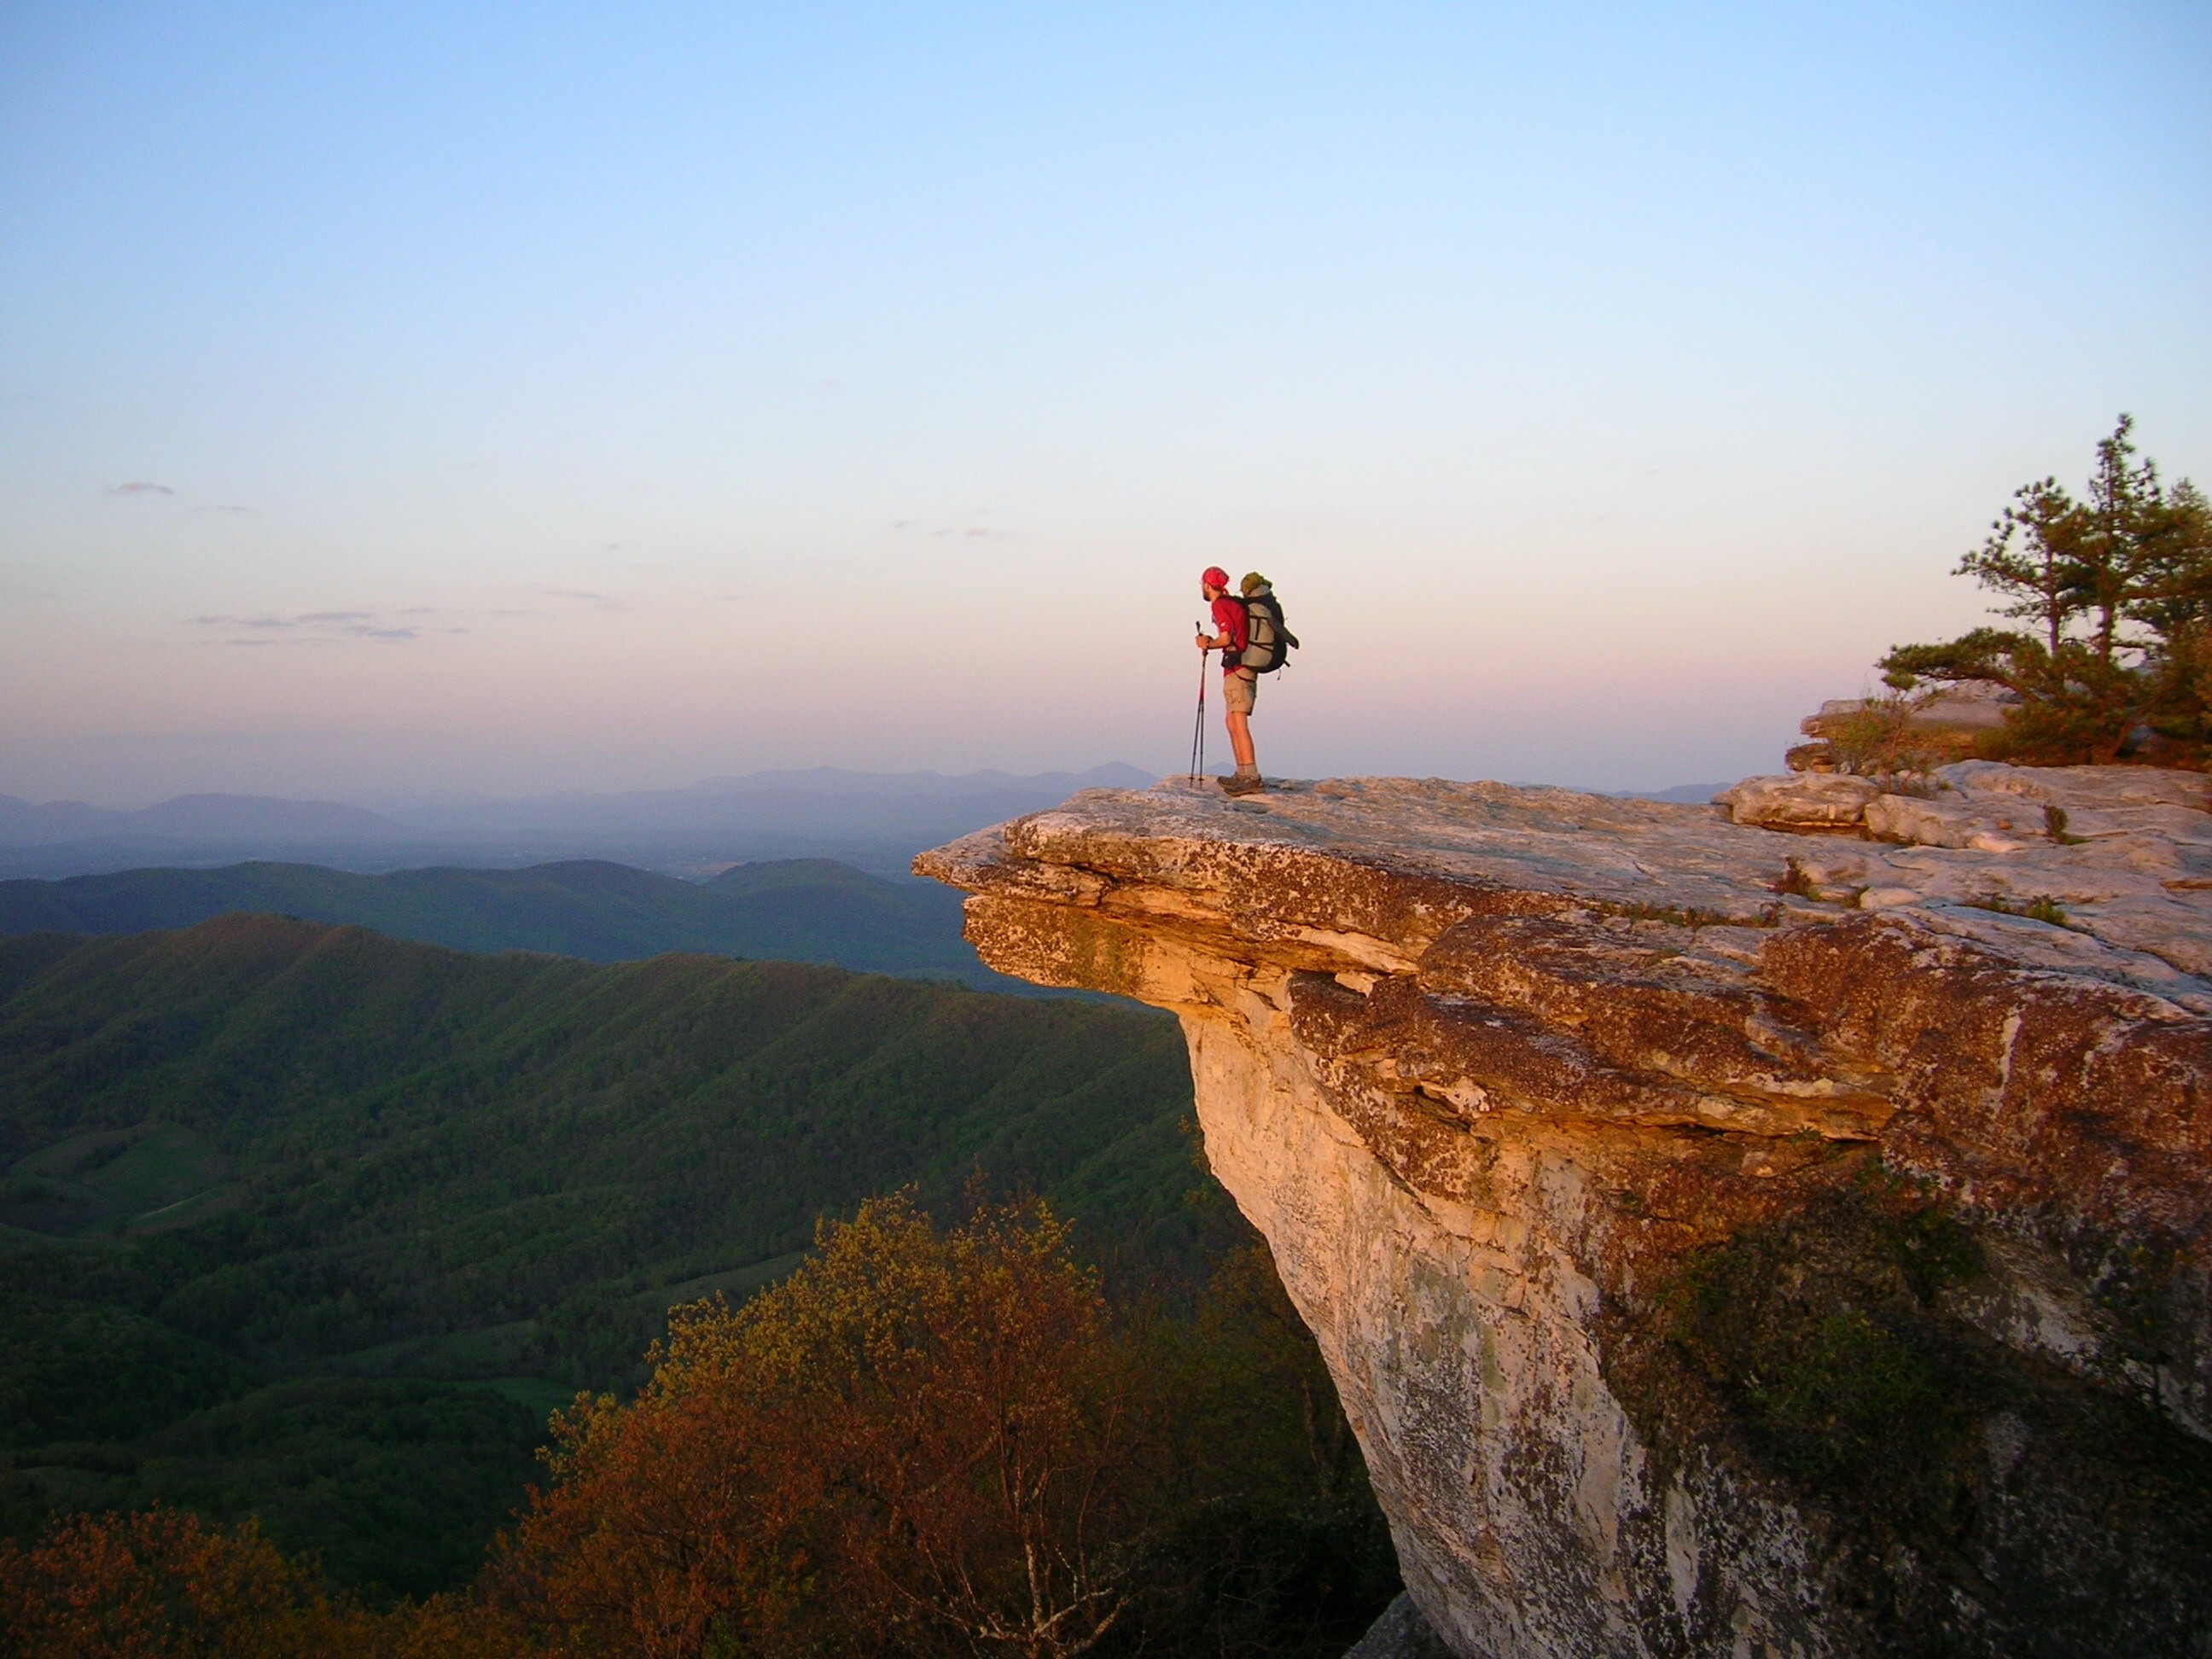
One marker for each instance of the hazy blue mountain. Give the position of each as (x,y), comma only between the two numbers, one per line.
(1693,794)
(797,910)
(825,811)
(877,821)
(194,818)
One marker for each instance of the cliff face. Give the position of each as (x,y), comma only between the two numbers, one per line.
(1725,1241)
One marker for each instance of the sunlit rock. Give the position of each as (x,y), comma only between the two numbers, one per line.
(1725,1241)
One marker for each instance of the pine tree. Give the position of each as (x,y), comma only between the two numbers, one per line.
(2120,584)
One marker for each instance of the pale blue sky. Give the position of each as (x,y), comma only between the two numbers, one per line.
(596,397)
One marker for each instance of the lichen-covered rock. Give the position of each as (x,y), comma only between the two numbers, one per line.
(1724,1241)
(2109,788)
(1924,822)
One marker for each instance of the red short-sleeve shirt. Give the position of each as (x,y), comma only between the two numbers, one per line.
(1229,618)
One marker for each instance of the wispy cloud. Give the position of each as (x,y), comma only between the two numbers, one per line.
(966,532)
(223,506)
(268,628)
(137,489)
(582,596)
(384,625)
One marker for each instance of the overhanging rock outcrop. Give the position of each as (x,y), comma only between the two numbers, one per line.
(1725,1239)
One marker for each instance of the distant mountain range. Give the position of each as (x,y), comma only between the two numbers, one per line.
(793,910)
(193,818)
(908,809)
(1692,794)
(877,821)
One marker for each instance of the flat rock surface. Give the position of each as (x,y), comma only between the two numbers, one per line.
(2131,901)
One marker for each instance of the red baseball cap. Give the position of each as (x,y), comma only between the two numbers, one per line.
(1214,576)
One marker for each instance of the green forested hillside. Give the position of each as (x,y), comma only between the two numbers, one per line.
(308,1221)
(793,910)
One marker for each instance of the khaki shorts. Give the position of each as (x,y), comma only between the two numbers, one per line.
(1238,691)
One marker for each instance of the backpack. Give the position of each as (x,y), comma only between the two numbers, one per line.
(1268,642)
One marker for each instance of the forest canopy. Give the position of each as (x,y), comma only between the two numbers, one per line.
(314,1225)
(927,1441)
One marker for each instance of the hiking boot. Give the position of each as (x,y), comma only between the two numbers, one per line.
(1243,784)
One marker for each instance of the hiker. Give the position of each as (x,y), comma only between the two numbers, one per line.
(1240,682)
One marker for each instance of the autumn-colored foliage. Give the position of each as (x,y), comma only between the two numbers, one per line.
(164,1584)
(941,1442)
(927,1442)
(151,1585)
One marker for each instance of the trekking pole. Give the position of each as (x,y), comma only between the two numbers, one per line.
(1198,727)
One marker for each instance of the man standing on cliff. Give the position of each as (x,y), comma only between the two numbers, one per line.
(1240,685)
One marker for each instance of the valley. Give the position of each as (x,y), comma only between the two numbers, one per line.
(310,1223)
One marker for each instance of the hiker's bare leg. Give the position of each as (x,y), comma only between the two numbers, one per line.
(1240,739)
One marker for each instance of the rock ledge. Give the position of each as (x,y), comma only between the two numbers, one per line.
(1512,1079)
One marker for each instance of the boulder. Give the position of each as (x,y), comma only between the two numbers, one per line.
(1801,800)
(1937,823)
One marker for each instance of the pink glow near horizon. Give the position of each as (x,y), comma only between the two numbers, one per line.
(386,408)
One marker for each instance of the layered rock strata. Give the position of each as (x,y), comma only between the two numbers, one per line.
(1725,1240)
